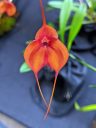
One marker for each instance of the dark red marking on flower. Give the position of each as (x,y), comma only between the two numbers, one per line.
(46,50)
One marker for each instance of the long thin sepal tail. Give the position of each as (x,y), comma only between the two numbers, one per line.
(41,91)
(53,90)
(42,11)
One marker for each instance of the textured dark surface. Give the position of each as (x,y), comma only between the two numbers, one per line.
(15,97)
(86,38)
(66,92)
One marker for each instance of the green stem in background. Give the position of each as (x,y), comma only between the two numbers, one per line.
(83,62)
(92,86)
(84,23)
(87,108)
(88,22)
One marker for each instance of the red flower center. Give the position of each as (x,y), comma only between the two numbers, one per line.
(45,44)
(45,41)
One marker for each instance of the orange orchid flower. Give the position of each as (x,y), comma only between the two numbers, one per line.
(46,50)
(7,7)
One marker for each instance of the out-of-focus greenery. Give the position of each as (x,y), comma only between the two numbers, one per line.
(91,10)
(90,5)
(75,11)
(6,24)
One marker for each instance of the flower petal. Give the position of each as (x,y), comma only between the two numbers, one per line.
(46,31)
(2,7)
(57,55)
(35,56)
(38,60)
(10,9)
(31,48)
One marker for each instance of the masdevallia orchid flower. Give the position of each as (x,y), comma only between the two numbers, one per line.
(46,50)
(7,7)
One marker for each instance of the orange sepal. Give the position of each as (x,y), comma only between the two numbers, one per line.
(57,55)
(35,56)
(47,31)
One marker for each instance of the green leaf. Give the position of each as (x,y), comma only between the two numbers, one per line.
(87,108)
(64,16)
(76,24)
(76,105)
(58,5)
(24,68)
(83,62)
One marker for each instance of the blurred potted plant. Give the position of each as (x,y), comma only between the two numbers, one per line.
(8,15)
(70,79)
(86,35)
